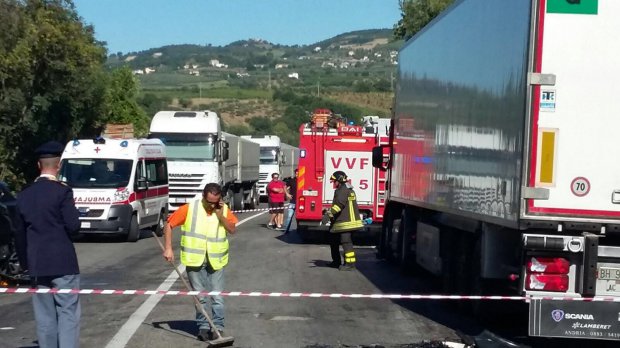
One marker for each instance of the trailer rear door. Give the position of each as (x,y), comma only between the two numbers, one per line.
(576,122)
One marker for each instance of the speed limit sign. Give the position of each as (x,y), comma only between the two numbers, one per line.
(580,186)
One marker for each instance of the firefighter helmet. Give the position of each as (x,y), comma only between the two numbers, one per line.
(339,176)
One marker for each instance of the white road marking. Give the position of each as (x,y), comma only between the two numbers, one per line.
(289,318)
(132,324)
(7,328)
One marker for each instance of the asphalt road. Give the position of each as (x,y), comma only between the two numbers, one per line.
(260,260)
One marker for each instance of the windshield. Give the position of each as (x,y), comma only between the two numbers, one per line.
(99,173)
(188,146)
(269,155)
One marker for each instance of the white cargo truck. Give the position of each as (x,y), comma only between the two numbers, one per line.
(502,160)
(200,153)
(275,157)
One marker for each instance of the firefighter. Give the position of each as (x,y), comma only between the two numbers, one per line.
(345,219)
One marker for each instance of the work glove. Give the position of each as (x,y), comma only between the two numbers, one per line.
(326,218)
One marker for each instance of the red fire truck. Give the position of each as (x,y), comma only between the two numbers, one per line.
(327,144)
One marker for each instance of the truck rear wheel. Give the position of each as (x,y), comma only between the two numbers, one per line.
(406,256)
(238,200)
(134,230)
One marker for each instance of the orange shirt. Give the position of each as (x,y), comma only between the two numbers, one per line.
(178,217)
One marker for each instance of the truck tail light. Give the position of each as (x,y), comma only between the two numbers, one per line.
(547,282)
(302,204)
(548,265)
(547,274)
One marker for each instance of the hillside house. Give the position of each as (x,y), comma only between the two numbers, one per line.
(194,72)
(293,76)
(281,66)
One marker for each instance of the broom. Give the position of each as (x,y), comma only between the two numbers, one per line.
(220,341)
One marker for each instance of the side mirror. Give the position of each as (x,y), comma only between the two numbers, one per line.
(283,159)
(225,154)
(141,184)
(377,157)
(225,144)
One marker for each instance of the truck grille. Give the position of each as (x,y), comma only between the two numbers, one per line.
(183,189)
(263,176)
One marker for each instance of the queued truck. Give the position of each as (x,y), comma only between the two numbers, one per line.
(200,153)
(501,163)
(275,157)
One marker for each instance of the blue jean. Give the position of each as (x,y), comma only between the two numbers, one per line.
(204,278)
(290,212)
(57,315)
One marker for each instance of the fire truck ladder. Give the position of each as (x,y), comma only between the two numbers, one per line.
(381,185)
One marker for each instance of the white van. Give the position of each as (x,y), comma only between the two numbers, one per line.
(120,185)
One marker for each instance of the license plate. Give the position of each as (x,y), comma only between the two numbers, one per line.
(608,273)
(310,193)
(180,200)
(85,224)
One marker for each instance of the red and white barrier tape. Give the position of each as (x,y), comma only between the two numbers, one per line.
(262,209)
(296,294)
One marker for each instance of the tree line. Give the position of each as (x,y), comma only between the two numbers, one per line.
(53,83)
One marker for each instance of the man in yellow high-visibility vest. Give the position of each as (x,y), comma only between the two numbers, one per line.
(205,224)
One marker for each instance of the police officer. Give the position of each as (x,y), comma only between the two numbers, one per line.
(345,219)
(46,219)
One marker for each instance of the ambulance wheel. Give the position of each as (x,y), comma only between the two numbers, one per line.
(134,230)
(159,228)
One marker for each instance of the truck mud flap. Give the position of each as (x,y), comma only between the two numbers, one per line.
(574,319)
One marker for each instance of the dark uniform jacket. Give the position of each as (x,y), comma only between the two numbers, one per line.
(46,218)
(345,211)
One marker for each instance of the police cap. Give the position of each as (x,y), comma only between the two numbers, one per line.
(49,150)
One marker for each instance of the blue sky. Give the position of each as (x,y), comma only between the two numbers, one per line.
(129,25)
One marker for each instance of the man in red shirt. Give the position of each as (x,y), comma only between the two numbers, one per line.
(276,191)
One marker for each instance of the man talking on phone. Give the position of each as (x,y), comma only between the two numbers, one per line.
(205,224)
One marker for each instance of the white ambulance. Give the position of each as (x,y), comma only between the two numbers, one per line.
(120,186)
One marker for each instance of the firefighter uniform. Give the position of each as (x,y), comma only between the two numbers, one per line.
(345,218)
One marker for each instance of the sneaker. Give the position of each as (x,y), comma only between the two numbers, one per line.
(270,226)
(279,228)
(205,335)
(347,267)
(334,264)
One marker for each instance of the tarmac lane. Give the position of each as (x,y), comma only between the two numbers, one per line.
(260,260)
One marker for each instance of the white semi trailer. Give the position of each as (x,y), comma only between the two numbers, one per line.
(275,157)
(501,162)
(200,153)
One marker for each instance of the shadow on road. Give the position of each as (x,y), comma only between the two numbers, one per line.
(180,327)
(108,238)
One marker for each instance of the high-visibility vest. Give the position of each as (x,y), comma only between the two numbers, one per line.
(203,236)
(345,211)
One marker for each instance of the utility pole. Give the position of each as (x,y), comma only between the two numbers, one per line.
(269,82)
(318,87)
(200,89)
